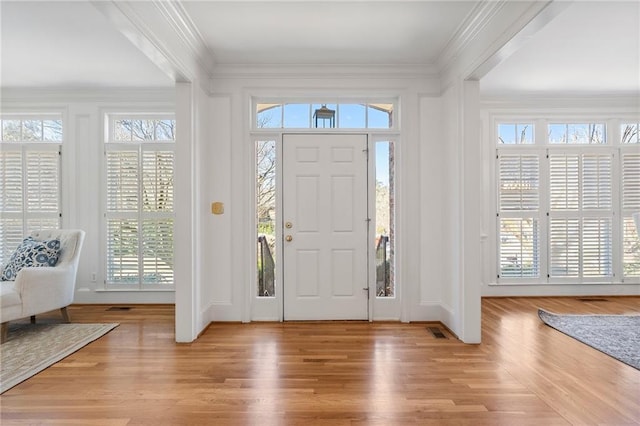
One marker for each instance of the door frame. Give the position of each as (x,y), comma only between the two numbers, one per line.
(379,309)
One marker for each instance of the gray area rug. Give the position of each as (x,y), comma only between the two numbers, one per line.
(615,335)
(30,348)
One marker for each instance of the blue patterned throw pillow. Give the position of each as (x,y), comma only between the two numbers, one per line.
(31,253)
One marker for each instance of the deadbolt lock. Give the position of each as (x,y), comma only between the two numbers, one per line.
(288,225)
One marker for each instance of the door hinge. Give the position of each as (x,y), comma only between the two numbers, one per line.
(367,290)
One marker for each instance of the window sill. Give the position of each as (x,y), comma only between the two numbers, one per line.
(135,290)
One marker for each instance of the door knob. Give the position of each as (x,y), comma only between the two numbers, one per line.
(288,238)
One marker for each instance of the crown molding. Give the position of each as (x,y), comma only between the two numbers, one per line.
(164,32)
(306,71)
(187,31)
(629,102)
(492,31)
(161,95)
(480,16)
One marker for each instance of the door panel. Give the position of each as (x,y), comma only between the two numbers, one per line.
(325,215)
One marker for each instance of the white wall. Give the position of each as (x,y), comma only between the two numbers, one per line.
(216,229)
(451,205)
(83,113)
(191,219)
(434,217)
(461,185)
(217,238)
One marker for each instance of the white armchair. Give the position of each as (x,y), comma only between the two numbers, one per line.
(43,289)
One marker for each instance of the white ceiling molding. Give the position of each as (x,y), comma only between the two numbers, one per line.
(269,71)
(165,34)
(468,29)
(486,30)
(564,105)
(19,95)
(183,25)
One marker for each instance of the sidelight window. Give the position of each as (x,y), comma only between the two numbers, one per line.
(385,219)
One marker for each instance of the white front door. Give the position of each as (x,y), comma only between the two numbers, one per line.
(325,226)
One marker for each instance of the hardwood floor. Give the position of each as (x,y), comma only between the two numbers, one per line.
(334,373)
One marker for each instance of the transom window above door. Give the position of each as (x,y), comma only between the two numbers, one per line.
(318,115)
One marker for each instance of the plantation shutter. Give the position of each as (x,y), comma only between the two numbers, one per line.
(564,241)
(564,182)
(42,187)
(580,225)
(157,227)
(122,181)
(157,250)
(630,171)
(140,202)
(11,181)
(519,182)
(519,247)
(11,221)
(518,206)
(631,181)
(122,251)
(597,190)
(42,181)
(597,250)
(157,183)
(29,192)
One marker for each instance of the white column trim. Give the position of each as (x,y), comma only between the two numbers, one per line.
(184,226)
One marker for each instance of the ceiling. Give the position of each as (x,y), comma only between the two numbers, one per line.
(356,32)
(591,46)
(68,44)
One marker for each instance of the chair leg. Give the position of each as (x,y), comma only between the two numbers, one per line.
(33,319)
(65,314)
(4,332)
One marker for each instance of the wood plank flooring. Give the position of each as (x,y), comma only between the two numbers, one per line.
(333,373)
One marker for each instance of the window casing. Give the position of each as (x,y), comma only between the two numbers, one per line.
(565,195)
(138,209)
(30,177)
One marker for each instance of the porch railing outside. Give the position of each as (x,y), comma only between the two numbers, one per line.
(266,269)
(383,267)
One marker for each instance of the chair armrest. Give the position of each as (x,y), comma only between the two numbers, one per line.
(44,289)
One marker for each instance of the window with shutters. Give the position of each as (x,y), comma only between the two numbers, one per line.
(580,214)
(30,158)
(630,197)
(139,211)
(518,210)
(565,199)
